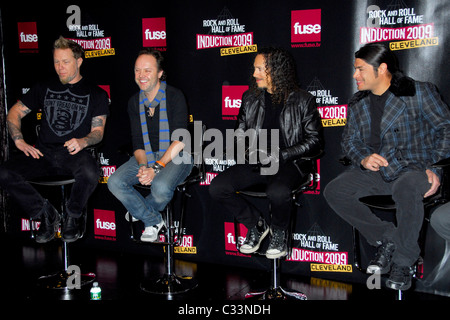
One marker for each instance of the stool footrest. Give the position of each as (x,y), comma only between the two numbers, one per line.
(169,284)
(60,280)
(276,294)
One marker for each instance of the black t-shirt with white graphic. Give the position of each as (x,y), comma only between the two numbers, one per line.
(67,109)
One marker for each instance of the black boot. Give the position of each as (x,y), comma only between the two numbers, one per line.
(49,223)
(70,229)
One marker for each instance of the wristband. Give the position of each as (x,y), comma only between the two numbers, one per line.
(161,163)
(142,165)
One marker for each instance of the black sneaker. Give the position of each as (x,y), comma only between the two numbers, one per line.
(400,277)
(383,259)
(254,237)
(278,245)
(70,229)
(49,223)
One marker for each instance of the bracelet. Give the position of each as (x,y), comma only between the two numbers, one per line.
(161,163)
(142,165)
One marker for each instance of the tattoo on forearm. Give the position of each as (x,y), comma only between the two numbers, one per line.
(14,131)
(14,125)
(96,136)
(93,138)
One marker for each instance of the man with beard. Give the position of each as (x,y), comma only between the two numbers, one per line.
(74,113)
(155,112)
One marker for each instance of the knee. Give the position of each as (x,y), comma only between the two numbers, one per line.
(411,186)
(115,184)
(330,190)
(88,171)
(161,190)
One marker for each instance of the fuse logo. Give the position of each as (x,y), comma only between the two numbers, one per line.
(230,237)
(28,37)
(104,224)
(154,32)
(306,26)
(231,101)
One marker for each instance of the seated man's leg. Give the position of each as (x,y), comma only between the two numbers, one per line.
(14,176)
(343,193)
(86,172)
(407,192)
(223,189)
(121,183)
(279,191)
(162,189)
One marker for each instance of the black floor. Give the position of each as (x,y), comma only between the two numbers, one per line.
(122,276)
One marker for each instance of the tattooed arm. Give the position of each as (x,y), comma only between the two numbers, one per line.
(95,136)
(14,121)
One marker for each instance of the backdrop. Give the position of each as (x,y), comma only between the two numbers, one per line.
(209,47)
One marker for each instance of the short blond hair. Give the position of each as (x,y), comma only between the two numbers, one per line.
(63,43)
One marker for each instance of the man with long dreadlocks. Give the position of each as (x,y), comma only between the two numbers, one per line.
(289,114)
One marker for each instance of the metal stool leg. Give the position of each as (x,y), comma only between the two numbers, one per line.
(169,283)
(70,277)
(276,292)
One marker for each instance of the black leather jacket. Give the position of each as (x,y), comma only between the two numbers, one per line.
(300,123)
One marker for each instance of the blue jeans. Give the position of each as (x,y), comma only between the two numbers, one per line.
(147,209)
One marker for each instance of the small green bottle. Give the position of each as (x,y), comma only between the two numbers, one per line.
(96,292)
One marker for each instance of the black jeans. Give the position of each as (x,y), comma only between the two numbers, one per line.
(15,173)
(278,188)
(343,193)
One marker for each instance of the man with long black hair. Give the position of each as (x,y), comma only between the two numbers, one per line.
(275,103)
(396,129)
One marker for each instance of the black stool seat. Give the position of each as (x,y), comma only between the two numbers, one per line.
(53,180)
(259,190)
(383,202)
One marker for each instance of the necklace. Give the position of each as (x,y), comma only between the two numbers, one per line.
(151,112)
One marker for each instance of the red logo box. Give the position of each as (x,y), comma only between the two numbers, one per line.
(154,32)
(306,25)
(104,224)
(230,237)
(28,37)
(232,99)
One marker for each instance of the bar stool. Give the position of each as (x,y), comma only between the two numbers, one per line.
(276,291)
(169,283)
(68,277)
(386,203)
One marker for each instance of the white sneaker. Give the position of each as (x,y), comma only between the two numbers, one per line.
(150,234)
